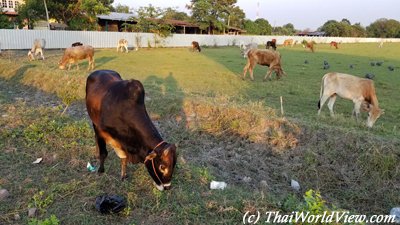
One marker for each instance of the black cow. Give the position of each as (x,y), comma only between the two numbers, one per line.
(118,113)
(271,44)
(76,44)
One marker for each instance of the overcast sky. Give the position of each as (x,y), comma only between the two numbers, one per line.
(301,13)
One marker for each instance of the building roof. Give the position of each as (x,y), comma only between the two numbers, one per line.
(117,16)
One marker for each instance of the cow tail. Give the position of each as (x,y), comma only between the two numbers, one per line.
(321,91)
(199,49)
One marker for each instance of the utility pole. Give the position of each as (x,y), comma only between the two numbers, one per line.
(47,14)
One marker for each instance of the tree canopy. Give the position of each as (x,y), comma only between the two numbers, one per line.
(343,29)
(77,14)
(215,15)
(384,28)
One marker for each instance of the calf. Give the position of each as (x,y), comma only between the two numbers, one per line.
(118,113)
(264,57)
(74,54)
(196,46)
(37,49)
(122,43)
(288,42)
(359,90)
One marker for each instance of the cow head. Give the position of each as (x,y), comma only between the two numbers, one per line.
(374,112)
(160,165)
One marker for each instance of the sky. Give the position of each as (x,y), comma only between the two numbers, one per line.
(302,14)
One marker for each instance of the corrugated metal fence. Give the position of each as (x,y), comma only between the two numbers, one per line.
(23,39)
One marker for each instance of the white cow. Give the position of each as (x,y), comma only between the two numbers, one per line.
(122,43)
(37,49)
(359,90)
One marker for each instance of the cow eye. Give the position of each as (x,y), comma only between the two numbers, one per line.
(162,168)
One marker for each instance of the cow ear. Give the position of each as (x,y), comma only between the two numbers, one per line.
(150,156)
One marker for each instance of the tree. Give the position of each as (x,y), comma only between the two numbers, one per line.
(384,28)
(215,14)
(172,13)
(358,31)
(5,23)
(77,14)
(121,9)
(258,27)
(264,27)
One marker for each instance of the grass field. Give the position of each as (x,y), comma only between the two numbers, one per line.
(226,129)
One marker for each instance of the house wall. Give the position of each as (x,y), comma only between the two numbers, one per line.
(23,39)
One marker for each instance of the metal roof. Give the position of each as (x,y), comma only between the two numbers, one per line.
(117,16)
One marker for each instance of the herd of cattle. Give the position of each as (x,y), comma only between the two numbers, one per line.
(117,110)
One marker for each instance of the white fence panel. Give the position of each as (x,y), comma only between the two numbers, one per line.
(23,39)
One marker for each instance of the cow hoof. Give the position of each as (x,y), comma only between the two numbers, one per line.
(100,170)
(124,177)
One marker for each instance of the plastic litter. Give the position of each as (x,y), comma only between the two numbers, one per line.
(217,185)
(110,204)
(90,167)
(37,161)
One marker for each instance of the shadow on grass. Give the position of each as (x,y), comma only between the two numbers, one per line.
(104,60)
(20,73)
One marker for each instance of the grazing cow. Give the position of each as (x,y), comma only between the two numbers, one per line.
(118,113)
(309,45)
(247,48)
(288,42)
(264,57)
(334,44)
(271,43)
(361,91)
(122,43)
(74,54)
(380,44)
(196,46)
(76,44)
(37,49)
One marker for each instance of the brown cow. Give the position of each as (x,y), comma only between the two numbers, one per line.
(288,42)
(361,91)
(309,45)
(263,57)
(74,54)
(334,44)
(122,43)
(196,46)
(37,49)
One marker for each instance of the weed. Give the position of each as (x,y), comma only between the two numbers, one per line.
(41,201)
(53,220)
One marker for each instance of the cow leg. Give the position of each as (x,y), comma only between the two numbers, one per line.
(126,48)
(246,68)
(251,71)
(356,110)
(101,149)
(331,102)
(322,102)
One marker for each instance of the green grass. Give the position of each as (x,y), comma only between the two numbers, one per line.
(225,128)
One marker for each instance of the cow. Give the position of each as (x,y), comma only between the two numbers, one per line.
(246,48)
(288,42)
(76,44)
(119,117)
(380,44)
(37,49)
(271,43)
(74,54)
(122,43)
(263,57)
(309,45)
(334,44)
(195,46)
(359,90)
